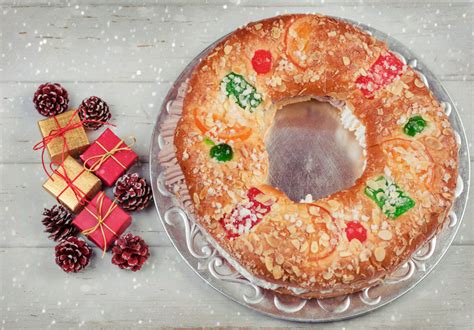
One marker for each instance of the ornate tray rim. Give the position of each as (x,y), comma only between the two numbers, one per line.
(219,281)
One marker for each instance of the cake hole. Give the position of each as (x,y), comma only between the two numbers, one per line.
(310,152)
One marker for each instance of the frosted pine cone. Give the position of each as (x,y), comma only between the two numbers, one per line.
(58,223)
(73,254)
(130,252)
(96,109)
(51,99)
(132,192)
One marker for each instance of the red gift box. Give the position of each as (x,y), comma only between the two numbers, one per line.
(102,221)
(108,157)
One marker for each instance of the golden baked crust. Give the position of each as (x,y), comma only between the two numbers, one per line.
(310,247)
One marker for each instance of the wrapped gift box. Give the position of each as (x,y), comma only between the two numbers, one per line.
(102,221)
(108,157)
(72,185)
(63,133)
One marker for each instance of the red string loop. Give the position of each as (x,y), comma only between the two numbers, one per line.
(78,193)
(60,132)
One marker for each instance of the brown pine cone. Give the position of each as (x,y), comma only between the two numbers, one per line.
(132,192)
(51,99)
(73,254)
(94,108)
(58,223)
(130,252)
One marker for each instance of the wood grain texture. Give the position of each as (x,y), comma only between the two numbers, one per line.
(151,42)
(169,294)
(129,52)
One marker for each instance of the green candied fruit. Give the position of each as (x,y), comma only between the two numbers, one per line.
(389,197)
(209,142)
(415,125)
(222,152)
(245,95)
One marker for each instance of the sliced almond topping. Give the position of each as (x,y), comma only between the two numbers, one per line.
(386,235)
(347,278)
(327,275)
(277,272)
(314,247)
(248,245)
(227,49)
(304,246)
(345,254)
(433,143)
(296,270)
(261,198)
(364,255)
(334,204)
(379,254)
(296,243)
(310,229)
(196,199)
(272,241)
(231,195)
(419,83)
(276,32)
(279,259)
(346,60)
(258,26)
(426,203)
(400,250)
(291,229)
(332,34)
(324,237)
(314,210)
(355,244)
(269,263)
(259,249)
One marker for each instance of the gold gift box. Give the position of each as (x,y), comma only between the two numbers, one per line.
(87,184)
(76,138)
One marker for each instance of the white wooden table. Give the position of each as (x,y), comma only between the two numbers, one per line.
(129,54)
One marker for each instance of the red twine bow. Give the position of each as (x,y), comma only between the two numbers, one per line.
(100,217)
(78,193)
(60,132)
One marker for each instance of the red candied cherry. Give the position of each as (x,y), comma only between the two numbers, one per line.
(262,61)
(252,193)
(355,230)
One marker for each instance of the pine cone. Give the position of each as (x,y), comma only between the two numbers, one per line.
(51,99)
(132,192)
(94,108)
(73,254)
(58,222)
(130,252)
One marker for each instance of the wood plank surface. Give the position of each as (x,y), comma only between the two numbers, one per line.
(129,52)
(149,43)
(168,293)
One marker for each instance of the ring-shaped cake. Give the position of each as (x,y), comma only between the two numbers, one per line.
(346,241)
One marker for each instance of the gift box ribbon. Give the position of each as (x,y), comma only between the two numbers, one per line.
(108,154)
(60,132)
(97,214)
(80,195)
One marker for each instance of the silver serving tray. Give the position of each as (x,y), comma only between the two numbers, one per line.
(210,266)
